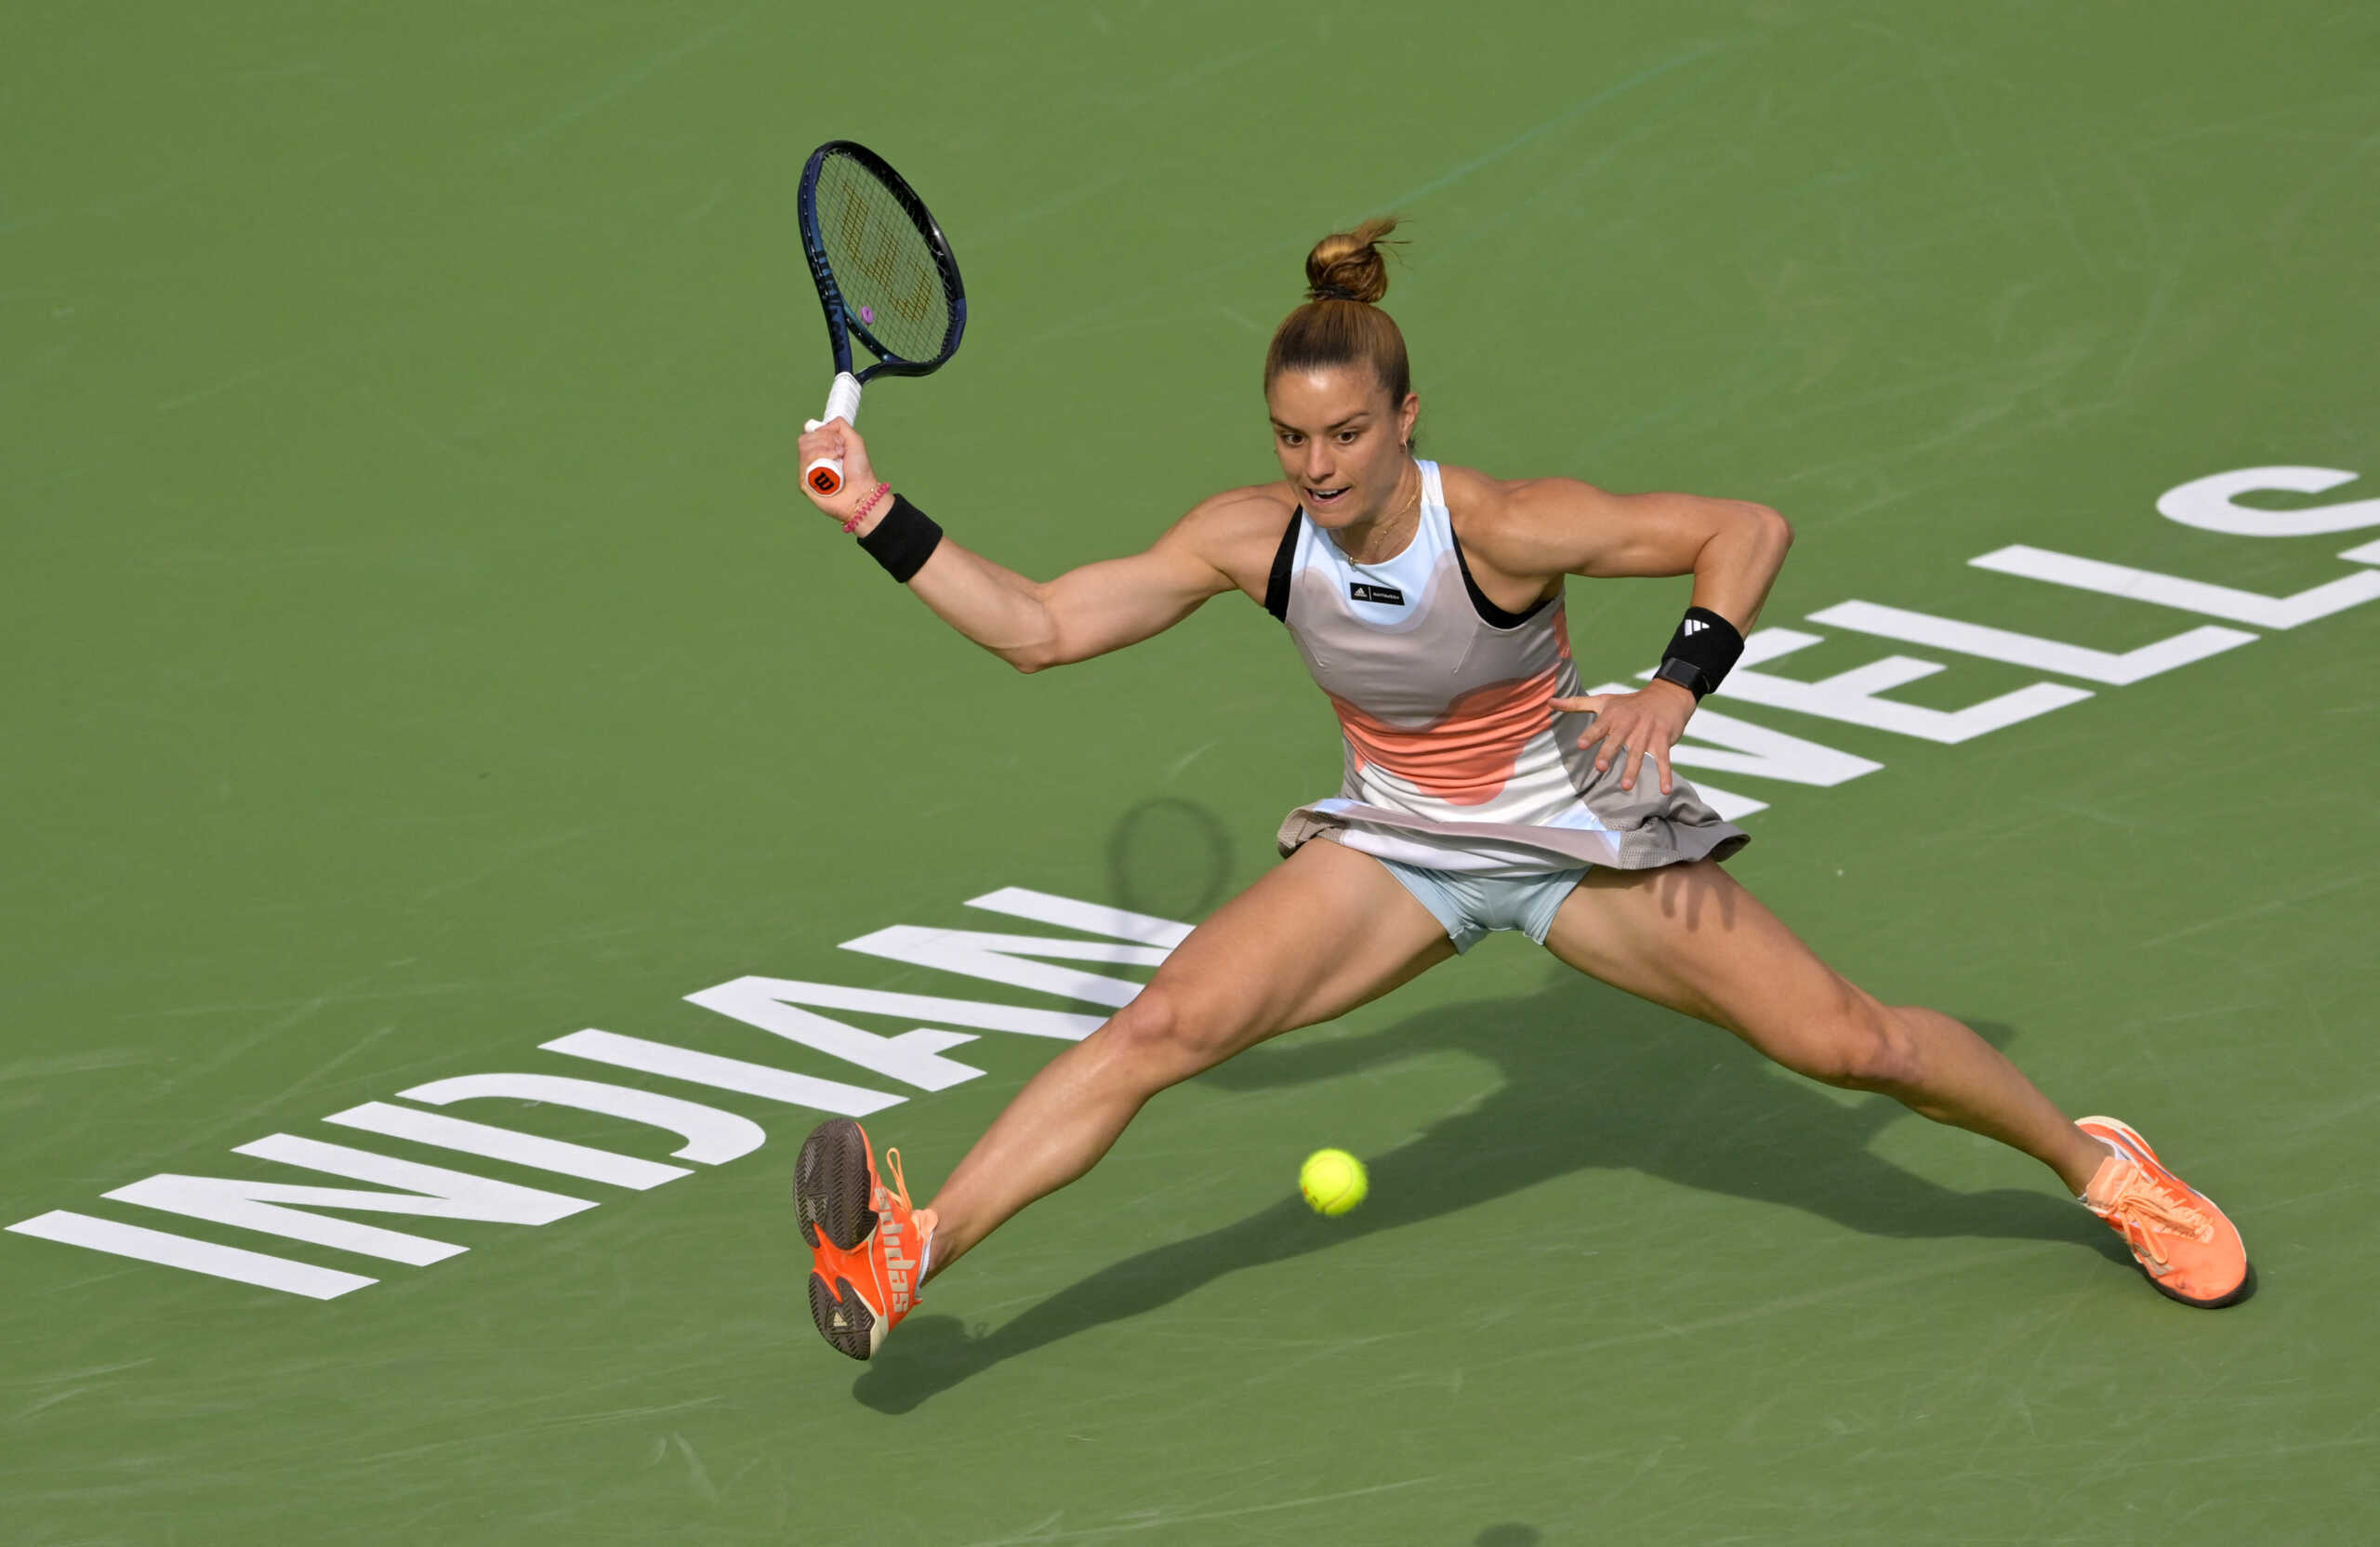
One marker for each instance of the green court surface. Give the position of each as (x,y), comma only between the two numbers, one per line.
(419,653)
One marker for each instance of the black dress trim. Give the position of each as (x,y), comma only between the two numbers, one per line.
(1284,557)
(1493,616)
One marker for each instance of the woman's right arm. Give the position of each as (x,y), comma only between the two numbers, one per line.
(1035,624)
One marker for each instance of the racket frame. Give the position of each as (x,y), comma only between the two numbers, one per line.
(825,474)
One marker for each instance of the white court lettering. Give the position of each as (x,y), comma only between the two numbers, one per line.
(1853,696)
(169,1250)
(1008,959)
(277,1207)
(1018,902)
(713,1137)
(2001,644)
(2209,504)
(725,1073)
(505,1144)
(2188,596)
(912,1057)
(1732,745)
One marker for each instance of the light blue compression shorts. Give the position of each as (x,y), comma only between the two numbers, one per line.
(1472,907)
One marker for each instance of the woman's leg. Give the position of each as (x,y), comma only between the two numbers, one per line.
(1689,937)
(1321,934)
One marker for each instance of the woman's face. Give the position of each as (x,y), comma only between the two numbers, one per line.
(1342,443)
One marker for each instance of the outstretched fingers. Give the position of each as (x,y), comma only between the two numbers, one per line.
(1625,738)
(1597,704)
(1631,726)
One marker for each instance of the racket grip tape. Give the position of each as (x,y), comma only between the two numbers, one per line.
(825,476)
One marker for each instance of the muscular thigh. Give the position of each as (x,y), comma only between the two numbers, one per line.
(1322,933)
(1688,936)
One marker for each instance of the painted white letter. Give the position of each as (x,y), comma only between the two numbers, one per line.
(913,1057)
(712,1137)
(2188,596)
(1851,697)
(727,1074)
(435,1194)
(996,957)
(503,1143)
(1756,750)
(2206,504)
(2000,645)
(1090,918)
(180,1251)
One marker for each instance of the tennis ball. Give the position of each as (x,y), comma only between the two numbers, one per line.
(1332,1181)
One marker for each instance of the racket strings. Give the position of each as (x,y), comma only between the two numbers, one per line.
(890,282)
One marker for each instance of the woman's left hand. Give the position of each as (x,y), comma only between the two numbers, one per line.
(1632,724)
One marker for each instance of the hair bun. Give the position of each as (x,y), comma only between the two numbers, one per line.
(1349,265)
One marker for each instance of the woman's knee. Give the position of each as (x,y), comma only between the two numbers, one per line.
(1165,1036)
(1868,1048)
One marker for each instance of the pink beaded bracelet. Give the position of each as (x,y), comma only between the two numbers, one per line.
(865,506)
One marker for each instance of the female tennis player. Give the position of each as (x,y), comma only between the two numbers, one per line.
(1483,791)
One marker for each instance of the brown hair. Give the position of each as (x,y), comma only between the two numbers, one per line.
(1341,323)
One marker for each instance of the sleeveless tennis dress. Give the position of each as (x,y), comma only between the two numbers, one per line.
(1455,759)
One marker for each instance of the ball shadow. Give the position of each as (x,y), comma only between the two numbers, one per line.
(1592,1079)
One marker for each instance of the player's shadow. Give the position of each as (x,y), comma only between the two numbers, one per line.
(1592,1079)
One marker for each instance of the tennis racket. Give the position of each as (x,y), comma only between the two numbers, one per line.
(885,277)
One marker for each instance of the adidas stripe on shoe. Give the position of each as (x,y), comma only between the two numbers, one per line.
(2189,1250)
(868,1244)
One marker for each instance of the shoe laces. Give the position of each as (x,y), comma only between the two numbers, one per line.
(900,1188)
(2144,1207)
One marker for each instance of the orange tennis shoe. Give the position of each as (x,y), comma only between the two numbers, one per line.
(2181,1240)
(866,1244)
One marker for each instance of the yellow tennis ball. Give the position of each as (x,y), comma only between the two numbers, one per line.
(1332,1181)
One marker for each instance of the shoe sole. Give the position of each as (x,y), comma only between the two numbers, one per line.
(2126,1133)
(830,1199)
(843,1318)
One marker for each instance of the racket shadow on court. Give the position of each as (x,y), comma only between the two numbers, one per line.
(1169,857)
(1592,1079)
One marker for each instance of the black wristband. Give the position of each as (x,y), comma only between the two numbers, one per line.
(1700,653)
(904,540)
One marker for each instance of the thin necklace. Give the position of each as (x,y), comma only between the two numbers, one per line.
(1411,504)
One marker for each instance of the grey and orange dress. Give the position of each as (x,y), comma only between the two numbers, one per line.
(1456,758)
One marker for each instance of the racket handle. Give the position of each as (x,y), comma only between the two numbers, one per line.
(825,475)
